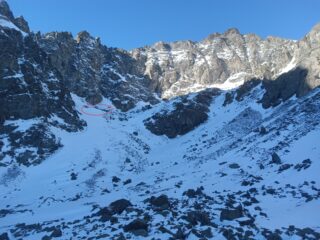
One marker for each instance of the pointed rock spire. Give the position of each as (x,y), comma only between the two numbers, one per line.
(313,37)
(21,23)
(5,10)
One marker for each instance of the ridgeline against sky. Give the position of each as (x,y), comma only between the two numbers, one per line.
(130,24)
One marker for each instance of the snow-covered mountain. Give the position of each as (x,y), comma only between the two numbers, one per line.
(226,61)
(210,140)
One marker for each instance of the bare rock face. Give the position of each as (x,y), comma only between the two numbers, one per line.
(31,90)
(186,115)
(138,227)
(309,56)
(5,10)
(221,58)
(39,72)
(285,86)
(20,22)
(93,71)
(231,214)
(227,60)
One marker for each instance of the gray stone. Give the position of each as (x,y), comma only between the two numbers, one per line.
(138,227)
(234,165)
(162,202)
(198,217)
(231,214)
(4,236)
(117,207)
(275,159)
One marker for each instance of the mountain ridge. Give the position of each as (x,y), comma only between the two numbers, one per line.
(215,60)
(210,140)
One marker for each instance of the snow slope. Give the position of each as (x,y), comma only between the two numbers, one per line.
(227,155)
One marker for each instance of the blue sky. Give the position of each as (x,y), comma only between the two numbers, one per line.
(135,23)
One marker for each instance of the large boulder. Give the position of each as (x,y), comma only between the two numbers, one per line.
(231,214)
(4,236)
(117,207)
(161,203)
(198,217)
(138,227)
(275,159)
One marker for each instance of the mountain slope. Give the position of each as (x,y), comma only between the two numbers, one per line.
(208,140)
(267,177)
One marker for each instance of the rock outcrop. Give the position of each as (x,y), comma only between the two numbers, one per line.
(186,115)
(40,72)
(227,60)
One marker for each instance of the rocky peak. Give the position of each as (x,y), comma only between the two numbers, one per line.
(21,23)
(212,36)
(316,29)
(252,37)
(228,58)
(84,37)
(183,45)
(232,31)
(162,46)
(313,37)
(59,36)
(45,81)
(5,10)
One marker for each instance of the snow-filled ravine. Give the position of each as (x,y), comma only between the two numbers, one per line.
(227,159)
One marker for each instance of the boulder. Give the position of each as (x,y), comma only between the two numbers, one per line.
(117,207)
(138,227)
(56,233)
(231,214)
(275,159)
(198,217)
(162,202)
(234,165)
(191,193)
(4,236)
(274,236)
(284,167)
(105,214)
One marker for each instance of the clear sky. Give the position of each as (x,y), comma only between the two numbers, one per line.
(134,23)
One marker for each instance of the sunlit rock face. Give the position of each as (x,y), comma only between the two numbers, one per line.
(217,139)
(226,61)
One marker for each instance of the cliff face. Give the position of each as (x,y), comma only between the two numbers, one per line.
(178,140)
(223,60)
(226,61)
(40,72)
(94,71)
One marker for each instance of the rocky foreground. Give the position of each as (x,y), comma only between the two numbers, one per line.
(215,139)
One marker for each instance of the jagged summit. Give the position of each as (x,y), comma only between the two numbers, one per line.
(313,37)
(83,36)
(217,139)
(232,31)
(223,60)
(9,21)
(5,10)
